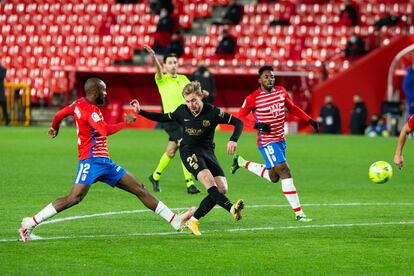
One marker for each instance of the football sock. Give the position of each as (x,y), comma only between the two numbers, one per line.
(257,169)
(47,212)
(167,214)
(187,175)
(205,206)
(164,162)
(219,198)
(291,195)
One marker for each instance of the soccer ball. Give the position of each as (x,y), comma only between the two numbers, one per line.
(380,172)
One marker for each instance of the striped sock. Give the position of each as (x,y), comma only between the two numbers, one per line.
(47,212)
(258,169)
(167,214)
(291,195)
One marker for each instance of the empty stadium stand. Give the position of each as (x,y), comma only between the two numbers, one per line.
(43,41)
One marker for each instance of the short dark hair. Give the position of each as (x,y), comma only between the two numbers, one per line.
(265,68)
(169,55)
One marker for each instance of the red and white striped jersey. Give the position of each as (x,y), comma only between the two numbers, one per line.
(270,108)
(91,128)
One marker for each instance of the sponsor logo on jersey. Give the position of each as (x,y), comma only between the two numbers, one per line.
(84,175)
(118,168)
(193,131)
(186,120)
(95,117)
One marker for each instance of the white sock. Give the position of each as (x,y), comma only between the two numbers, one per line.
(47,212)
(258,169)
(291,195)
(167,214)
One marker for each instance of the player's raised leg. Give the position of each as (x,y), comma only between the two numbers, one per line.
(77,193)
(130,184)
(256,168)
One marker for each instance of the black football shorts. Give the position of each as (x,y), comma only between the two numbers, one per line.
(196,159)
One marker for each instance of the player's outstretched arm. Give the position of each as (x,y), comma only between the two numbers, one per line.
(238,128)
(158,66)
(105,130)
(398,156)
(247,107)
(314,124)
(298,112)
(231,147)
(226,118)
(57,120)
(153,116)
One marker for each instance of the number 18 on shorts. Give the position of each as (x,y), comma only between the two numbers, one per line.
(273,153)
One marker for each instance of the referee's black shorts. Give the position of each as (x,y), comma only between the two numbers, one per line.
(174,130)
(196,159)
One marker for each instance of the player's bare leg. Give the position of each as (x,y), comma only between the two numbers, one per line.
(130,184)
(289,190)
(77,193)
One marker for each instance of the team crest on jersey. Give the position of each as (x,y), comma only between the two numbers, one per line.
(221,114)
(95,117)
(206,123)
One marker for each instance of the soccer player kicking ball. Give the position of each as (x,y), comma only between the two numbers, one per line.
(199,121)
(94,162)
(268,105)
(407,128)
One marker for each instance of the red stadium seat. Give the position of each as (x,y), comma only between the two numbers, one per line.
(132,41)
(94,40)
(141,8)
(55,8)
(185,21)
(51,51)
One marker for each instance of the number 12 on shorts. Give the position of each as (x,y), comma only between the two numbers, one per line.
(83,172)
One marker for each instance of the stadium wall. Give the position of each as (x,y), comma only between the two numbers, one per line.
(367,77)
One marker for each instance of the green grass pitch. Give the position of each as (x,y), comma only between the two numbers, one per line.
(359,227)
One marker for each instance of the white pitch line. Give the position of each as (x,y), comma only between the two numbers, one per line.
(180,209)
(95,215)
(38,238)
(248,206)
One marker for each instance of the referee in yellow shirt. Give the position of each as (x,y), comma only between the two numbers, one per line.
(170,87)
